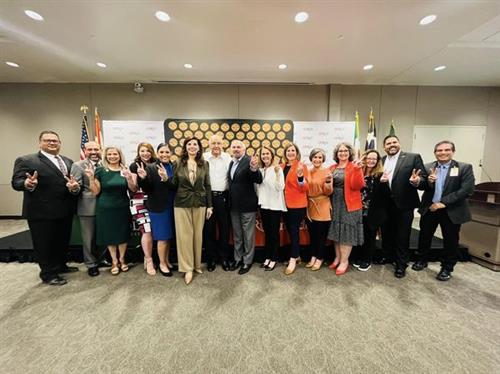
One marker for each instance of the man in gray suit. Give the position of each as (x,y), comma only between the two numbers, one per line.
(444,203)
(86,204)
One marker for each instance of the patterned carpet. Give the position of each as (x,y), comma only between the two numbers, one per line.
(262,322)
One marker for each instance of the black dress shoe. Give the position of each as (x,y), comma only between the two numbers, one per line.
(104,264)
(400,272)
(226,265)
(68,269)
(165,273)
(444,275)
(244,269)
(210,266)
(234,265)
(419,265)
(57,281)
(93,271)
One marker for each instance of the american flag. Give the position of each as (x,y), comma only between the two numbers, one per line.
(84,138)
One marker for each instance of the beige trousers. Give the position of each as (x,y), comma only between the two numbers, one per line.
(189,232)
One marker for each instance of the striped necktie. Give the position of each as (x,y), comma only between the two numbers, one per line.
(62,166)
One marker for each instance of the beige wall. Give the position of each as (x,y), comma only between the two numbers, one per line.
(26,109)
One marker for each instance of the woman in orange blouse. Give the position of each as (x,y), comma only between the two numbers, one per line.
(346,229)
(296,201)
(319,207)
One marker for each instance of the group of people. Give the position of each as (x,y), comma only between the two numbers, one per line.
(202,197)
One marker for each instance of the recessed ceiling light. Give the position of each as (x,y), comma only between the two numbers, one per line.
(101,64)
(162,16)
(34,15)
(340,36)
(188,66)
(428,19)
(282,66)
(368,67)
(301,17)
(439,68)
(13,64)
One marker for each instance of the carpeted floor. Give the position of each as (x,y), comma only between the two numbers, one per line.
(263,322)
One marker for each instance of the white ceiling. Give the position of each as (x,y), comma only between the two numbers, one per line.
(245,41)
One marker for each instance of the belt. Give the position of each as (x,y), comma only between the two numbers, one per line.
(218,193)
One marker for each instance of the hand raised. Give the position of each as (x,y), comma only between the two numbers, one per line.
(127,174)
(162,172)
(90,170)
(300,170)
(31,180)
(358,164)
(432,175)
(254,162)
(415,176)
(141,172)
(385,176)
(277,166)
(71,183)
(329,178)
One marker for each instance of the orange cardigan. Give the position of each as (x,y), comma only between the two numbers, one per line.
(353,183)
(295,193)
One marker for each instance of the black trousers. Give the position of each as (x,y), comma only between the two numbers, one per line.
(396,235)
(293,219)
(50,241)
(451,233)
(217,249)
(367,250)
(318,230)
(271,220)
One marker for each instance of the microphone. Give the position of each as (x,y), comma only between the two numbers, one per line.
(484,170)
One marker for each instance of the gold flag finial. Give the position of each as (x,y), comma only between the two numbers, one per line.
(84,109)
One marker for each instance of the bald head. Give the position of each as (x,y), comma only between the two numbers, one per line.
(215,144)
(92,151)
(238,148)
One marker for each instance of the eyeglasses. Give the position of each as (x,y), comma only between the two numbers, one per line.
(54,141)
(343,151)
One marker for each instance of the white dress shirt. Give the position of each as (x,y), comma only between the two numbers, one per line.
(53,159)
(219,167)
(271,190)
(390,165)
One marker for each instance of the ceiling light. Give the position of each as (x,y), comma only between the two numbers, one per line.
(101,64)
(340,36)
(13,64)
(34,15)
(188,66)
(282,66)
(439,68)
(368,67)
(301,17)
(162,16)
(427,19)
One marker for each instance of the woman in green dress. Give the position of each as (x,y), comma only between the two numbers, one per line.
(110,183)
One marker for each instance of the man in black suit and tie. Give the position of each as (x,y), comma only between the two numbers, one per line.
(444,203)
(242,174)
(404,172)
(49,203)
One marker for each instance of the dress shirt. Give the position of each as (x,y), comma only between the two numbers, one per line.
(218,170)
(236,161)
(442,172)
(390,165)
(54,160)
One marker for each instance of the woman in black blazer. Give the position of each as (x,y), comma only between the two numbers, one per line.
(375,197)
(154,180)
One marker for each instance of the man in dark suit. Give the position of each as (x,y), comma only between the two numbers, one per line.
(444,203)
(49,203)
(242,174)
(86,204)
(404,172)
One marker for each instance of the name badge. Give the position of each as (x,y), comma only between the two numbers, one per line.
(454,172)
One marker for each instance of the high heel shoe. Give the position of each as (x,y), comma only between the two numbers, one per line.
(290,269)
(342,271)
(270,268)
(317,265)
(188,277)
(165,273)
(149,266)
(199,271)
(310,264)
(333,265)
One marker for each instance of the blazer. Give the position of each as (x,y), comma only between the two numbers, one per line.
(189,195)
(456,190)
(353,183)
(242,195)
(159,193)
(86,199)
(379,199)
(295,192)
(51,198)
(403,193)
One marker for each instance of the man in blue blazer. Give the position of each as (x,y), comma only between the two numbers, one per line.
(49,204)
(444,203)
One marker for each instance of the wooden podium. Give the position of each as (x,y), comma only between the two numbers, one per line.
(482,234)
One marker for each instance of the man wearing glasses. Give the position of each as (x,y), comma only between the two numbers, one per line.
(49,203)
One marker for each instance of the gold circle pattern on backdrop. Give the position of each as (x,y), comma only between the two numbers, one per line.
(254,135)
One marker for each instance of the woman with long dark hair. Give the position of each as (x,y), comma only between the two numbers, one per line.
(192,205)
